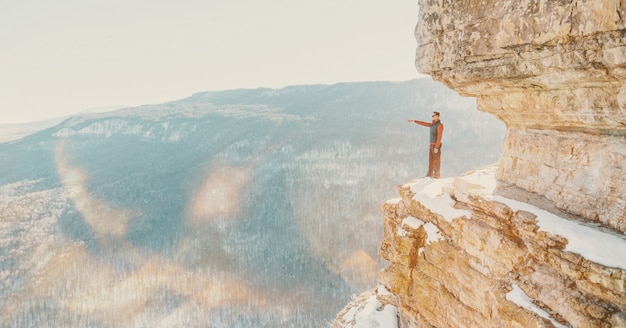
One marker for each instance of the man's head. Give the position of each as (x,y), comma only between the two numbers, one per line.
(435,116)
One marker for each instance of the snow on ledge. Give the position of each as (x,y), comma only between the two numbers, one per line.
(484,179)
(520,298)
(430,192)
(432,231)
(602,247)
(589,242)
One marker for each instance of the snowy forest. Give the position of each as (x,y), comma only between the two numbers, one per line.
(239,208)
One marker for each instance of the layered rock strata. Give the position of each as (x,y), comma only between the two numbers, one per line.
(475,252)
(554,72)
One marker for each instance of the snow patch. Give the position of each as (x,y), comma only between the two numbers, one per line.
(484,178)
(372,315)
(394,201)
(412,222)
(430,192)
(383,291)
(434,234)
(602,247)
(587,240)
(520,298)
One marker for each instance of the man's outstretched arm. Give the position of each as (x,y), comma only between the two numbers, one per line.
(420,122)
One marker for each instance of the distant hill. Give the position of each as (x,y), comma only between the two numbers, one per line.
(15,131)
(241,208)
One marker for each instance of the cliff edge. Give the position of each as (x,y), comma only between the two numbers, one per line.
(537,240)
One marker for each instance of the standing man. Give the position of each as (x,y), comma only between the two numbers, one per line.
(434,154)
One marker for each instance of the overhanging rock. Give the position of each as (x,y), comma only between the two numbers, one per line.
(554,72)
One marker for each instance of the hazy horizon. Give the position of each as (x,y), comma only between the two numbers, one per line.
(65,57)
(105,109)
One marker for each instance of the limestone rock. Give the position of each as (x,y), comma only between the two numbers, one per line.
(555,73)
(472,265)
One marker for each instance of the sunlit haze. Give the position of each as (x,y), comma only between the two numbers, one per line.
(63,57)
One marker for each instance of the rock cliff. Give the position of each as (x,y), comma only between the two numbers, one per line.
(538,239)
(461,249)
(554,72)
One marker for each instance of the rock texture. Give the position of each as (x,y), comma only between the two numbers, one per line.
(467,251)
(457,267)
(554,72)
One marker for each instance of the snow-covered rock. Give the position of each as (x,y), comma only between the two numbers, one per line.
(512,259)
(367,311)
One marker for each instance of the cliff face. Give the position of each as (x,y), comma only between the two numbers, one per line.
(477,252)
(538,239)
(554,72)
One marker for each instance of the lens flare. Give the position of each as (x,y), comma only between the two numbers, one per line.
(107,221)
(358,268)
(219,195)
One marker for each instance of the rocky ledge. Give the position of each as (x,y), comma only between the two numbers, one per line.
(473,251)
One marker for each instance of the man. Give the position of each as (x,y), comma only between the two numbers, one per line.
(434,153)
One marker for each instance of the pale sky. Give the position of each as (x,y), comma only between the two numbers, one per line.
(62,57)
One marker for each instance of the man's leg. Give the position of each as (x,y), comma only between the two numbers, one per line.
(436,163)
(431,156)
